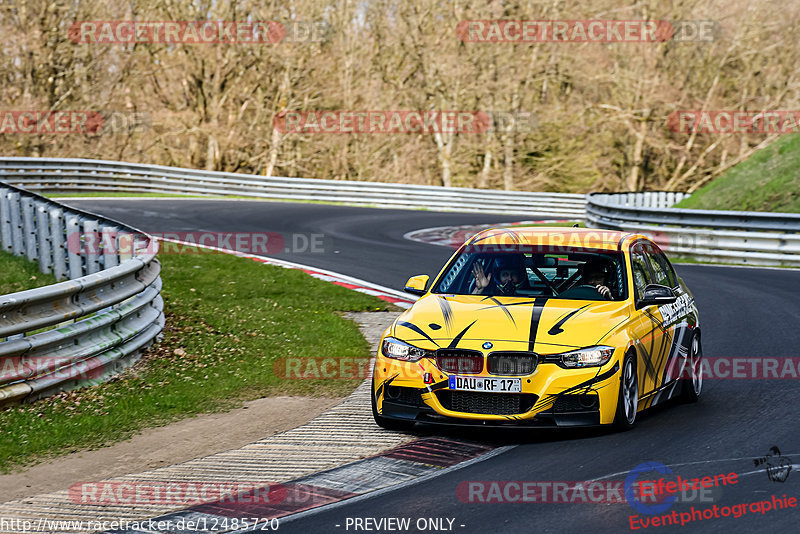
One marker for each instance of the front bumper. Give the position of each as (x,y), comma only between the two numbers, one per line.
(402,412)
(550,397)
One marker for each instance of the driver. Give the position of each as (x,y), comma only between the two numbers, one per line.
(594,275)
(509,276)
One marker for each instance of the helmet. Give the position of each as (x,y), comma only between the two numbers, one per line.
(509,262)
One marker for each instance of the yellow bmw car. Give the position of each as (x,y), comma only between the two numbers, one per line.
(555,327)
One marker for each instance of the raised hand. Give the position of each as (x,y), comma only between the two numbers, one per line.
(481,280)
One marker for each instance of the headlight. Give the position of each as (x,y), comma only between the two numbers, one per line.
(399,350)
(589,357)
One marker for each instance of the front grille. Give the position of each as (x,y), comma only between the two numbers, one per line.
(486,403)
(401,395)
(576,403)
(511,363)
(458,361)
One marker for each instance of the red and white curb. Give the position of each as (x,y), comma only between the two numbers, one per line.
(455,236)
(407,464)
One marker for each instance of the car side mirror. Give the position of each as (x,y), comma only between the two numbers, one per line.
(655,294)
(416,284)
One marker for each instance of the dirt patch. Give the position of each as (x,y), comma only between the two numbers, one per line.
(175,443)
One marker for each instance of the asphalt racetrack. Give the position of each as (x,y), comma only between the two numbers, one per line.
(743,313)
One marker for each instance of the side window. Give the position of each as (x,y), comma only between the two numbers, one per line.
(663,271)
(640,269)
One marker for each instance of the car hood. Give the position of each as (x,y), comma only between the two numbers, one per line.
(550,325)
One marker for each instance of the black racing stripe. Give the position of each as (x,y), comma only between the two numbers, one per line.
(648,361)
(507,304)
(447,312)
(514,236)
(678,335)
(488,236)
(502,307)
(550,399)
(385,383)
(444,384)
(453,344)
(666,350)
(556,328)
(418,330)
(536,314)
(599,378)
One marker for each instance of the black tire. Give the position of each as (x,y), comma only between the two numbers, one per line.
(628,399)
(692,386)
(383,422)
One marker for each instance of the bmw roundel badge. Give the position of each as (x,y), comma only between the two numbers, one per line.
(488,345)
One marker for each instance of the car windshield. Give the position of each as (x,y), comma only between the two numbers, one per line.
(579,274)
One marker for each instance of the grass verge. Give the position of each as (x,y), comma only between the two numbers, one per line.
(228,320)
(766,181)
(18,274)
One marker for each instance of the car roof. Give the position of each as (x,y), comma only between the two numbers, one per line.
(551,236)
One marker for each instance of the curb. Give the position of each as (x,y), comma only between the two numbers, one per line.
(399,467)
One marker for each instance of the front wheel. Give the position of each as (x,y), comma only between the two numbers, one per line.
(383,422)
(692,385)
(628,400)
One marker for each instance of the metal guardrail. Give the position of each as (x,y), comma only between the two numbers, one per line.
(739,237)
(88,328)
(51,175)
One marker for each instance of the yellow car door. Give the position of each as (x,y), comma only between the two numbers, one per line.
(653,337)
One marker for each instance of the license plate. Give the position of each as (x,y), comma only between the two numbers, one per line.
(485,383)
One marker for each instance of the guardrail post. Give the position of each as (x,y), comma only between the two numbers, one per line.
(5,221)
(110,250)
(43,237)
(74,246)
(16,225)
(28,229)
(125,245)
(91,243)
(57,231)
